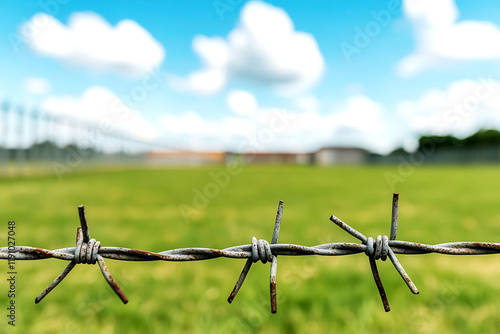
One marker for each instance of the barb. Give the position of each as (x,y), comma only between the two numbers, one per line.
(86,251)
(380,249)
(89,251)
(262,250)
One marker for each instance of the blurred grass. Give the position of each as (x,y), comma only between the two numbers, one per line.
(141,209)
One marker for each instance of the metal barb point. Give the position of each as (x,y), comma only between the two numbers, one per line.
(255,254)
(86,251)
(380,286)
(274,261)
(394,217)
(83,223)
(380,248)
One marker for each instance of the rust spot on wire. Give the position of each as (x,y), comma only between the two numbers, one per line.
(274,305)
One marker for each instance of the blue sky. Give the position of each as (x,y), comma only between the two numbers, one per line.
(218,75)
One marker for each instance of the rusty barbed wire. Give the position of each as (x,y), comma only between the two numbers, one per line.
(89,251)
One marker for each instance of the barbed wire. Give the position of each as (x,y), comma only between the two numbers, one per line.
(89,251)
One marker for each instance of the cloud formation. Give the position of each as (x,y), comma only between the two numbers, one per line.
(89,40)
(359,121)
(36,86)
(263,48)
(241,102)
(101,106)
(461,109)
(440,38)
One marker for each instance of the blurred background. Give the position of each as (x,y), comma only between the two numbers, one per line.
(183,123)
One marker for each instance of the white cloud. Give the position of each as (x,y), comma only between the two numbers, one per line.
(190,131)
(440,38)
(359,121)
(264,48)
(36,86)
(101,106)
(241,102)
(307,103)
(89,40)
(206,82)
(191,123)
(463,108)
(362,122)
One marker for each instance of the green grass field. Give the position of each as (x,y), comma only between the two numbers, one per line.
(143,209)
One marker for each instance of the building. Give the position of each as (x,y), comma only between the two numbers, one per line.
(327,156)
(184,158)
(275,158)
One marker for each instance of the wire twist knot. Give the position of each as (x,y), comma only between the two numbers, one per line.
(261,251)
(378,248)
(86,252)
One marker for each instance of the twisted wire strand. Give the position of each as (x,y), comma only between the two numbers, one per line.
(89,251)
(244,251)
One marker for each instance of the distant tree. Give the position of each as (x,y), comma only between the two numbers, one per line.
(398,151)
(480,138)
(483,138)
(438,142)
